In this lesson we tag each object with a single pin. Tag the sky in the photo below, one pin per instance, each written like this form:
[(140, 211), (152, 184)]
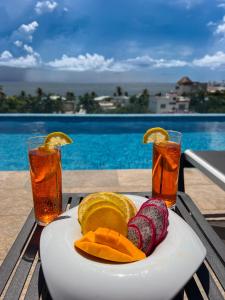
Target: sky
[(108, 40)]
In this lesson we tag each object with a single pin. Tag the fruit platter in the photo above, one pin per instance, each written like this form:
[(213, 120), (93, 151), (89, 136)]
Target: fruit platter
[(115, 246), (115, 230)]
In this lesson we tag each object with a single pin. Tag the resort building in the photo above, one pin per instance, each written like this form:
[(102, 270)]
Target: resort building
[(212, 89), (110, 103), (105, 102), (121, 100), (169, 103), (68, 107), (186, 86)]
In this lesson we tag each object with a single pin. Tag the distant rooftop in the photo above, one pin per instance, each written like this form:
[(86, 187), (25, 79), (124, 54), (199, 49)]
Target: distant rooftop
[(102, 98), (185, 81)]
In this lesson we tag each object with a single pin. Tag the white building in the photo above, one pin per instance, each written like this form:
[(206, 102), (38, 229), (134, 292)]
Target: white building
[(169, 103), (121, 100), (110, 103), (212, 89), (186, 86), (105, 102)]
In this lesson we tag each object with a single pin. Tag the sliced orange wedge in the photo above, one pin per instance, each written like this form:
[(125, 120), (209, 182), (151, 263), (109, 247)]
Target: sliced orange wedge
[(155, 135), (55, 139)]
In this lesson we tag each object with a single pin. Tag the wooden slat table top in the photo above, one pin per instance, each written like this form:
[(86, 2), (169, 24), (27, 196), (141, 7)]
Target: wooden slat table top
[(16, 278)]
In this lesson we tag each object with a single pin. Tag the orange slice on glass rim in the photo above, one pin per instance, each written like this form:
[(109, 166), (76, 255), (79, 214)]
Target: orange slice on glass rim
[(155, 135), (55, 139)]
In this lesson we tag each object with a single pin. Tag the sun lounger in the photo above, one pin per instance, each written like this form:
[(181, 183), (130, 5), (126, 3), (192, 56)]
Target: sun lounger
[(211, 163)]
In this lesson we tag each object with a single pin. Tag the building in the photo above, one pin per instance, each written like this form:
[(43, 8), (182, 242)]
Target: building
[(121, 100), (105, 102), (68, 107), (212, 89), (169, 103), (186, 86), (108, 103)]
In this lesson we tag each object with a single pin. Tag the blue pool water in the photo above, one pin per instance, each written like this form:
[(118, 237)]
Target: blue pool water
[(105, 142)]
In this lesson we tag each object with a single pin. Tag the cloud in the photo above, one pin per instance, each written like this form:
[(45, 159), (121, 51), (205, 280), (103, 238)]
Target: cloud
[(211, 61), (42, 7), (6, 55), (18, 43), (99, 63), (28, 61), (222, 5), (28, 49), (25, 32), (221, 27), (149, 62), (86, 62), (29, 28), (188, 4)]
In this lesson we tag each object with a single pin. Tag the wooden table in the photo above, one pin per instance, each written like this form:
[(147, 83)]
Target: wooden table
[(21, 273)]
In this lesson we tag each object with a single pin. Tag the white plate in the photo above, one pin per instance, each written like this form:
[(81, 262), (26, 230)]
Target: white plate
[(70, 275)]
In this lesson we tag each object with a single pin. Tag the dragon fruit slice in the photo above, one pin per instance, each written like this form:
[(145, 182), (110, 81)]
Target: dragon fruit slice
[(134, 235), (158, 217), (147, 230), (161, 204), (158, 202)]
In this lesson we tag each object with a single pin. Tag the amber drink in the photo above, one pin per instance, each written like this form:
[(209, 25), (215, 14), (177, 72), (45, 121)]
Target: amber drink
[(165, 170), (46, 180)]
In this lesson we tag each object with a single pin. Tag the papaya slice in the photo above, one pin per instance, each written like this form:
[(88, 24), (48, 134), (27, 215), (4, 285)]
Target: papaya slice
[(109, 245)]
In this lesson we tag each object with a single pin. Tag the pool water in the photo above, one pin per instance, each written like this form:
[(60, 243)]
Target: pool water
[(104, 143)]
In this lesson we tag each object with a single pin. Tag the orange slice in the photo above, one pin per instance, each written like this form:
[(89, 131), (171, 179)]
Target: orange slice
[(104, 216), (155, 135), (55, 139)]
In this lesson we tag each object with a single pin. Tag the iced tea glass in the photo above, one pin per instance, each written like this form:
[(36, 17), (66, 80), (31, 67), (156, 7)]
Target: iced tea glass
[(165, 169), (46, 180)]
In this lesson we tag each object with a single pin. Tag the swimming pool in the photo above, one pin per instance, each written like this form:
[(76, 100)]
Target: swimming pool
[(105, 141)]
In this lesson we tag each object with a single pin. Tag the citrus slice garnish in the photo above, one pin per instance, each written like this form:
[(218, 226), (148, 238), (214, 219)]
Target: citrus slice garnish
[(101, 199), (55, 139), (106, 216), (155, 135), (119, 201)]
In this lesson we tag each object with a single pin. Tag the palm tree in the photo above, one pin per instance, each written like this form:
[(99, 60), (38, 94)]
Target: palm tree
[(39, 92), (119, 91), (93, 95), (23, 94), (70, 96), (145, 93), (2, 94)]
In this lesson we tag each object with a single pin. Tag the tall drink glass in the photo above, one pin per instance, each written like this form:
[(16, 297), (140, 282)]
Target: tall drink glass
[(46, 180), (165, 170)]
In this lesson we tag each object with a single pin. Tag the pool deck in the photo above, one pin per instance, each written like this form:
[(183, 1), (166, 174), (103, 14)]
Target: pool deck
[(16, 197)]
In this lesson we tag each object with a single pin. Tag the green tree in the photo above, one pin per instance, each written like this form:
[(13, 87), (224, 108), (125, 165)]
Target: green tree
[(2, 94), (90, 105), (39, 92), (119, 91), (22, 94), (93, 95), (70, 96)]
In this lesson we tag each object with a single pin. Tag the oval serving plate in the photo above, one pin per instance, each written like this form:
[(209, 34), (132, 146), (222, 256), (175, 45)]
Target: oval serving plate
[(70, 275)]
